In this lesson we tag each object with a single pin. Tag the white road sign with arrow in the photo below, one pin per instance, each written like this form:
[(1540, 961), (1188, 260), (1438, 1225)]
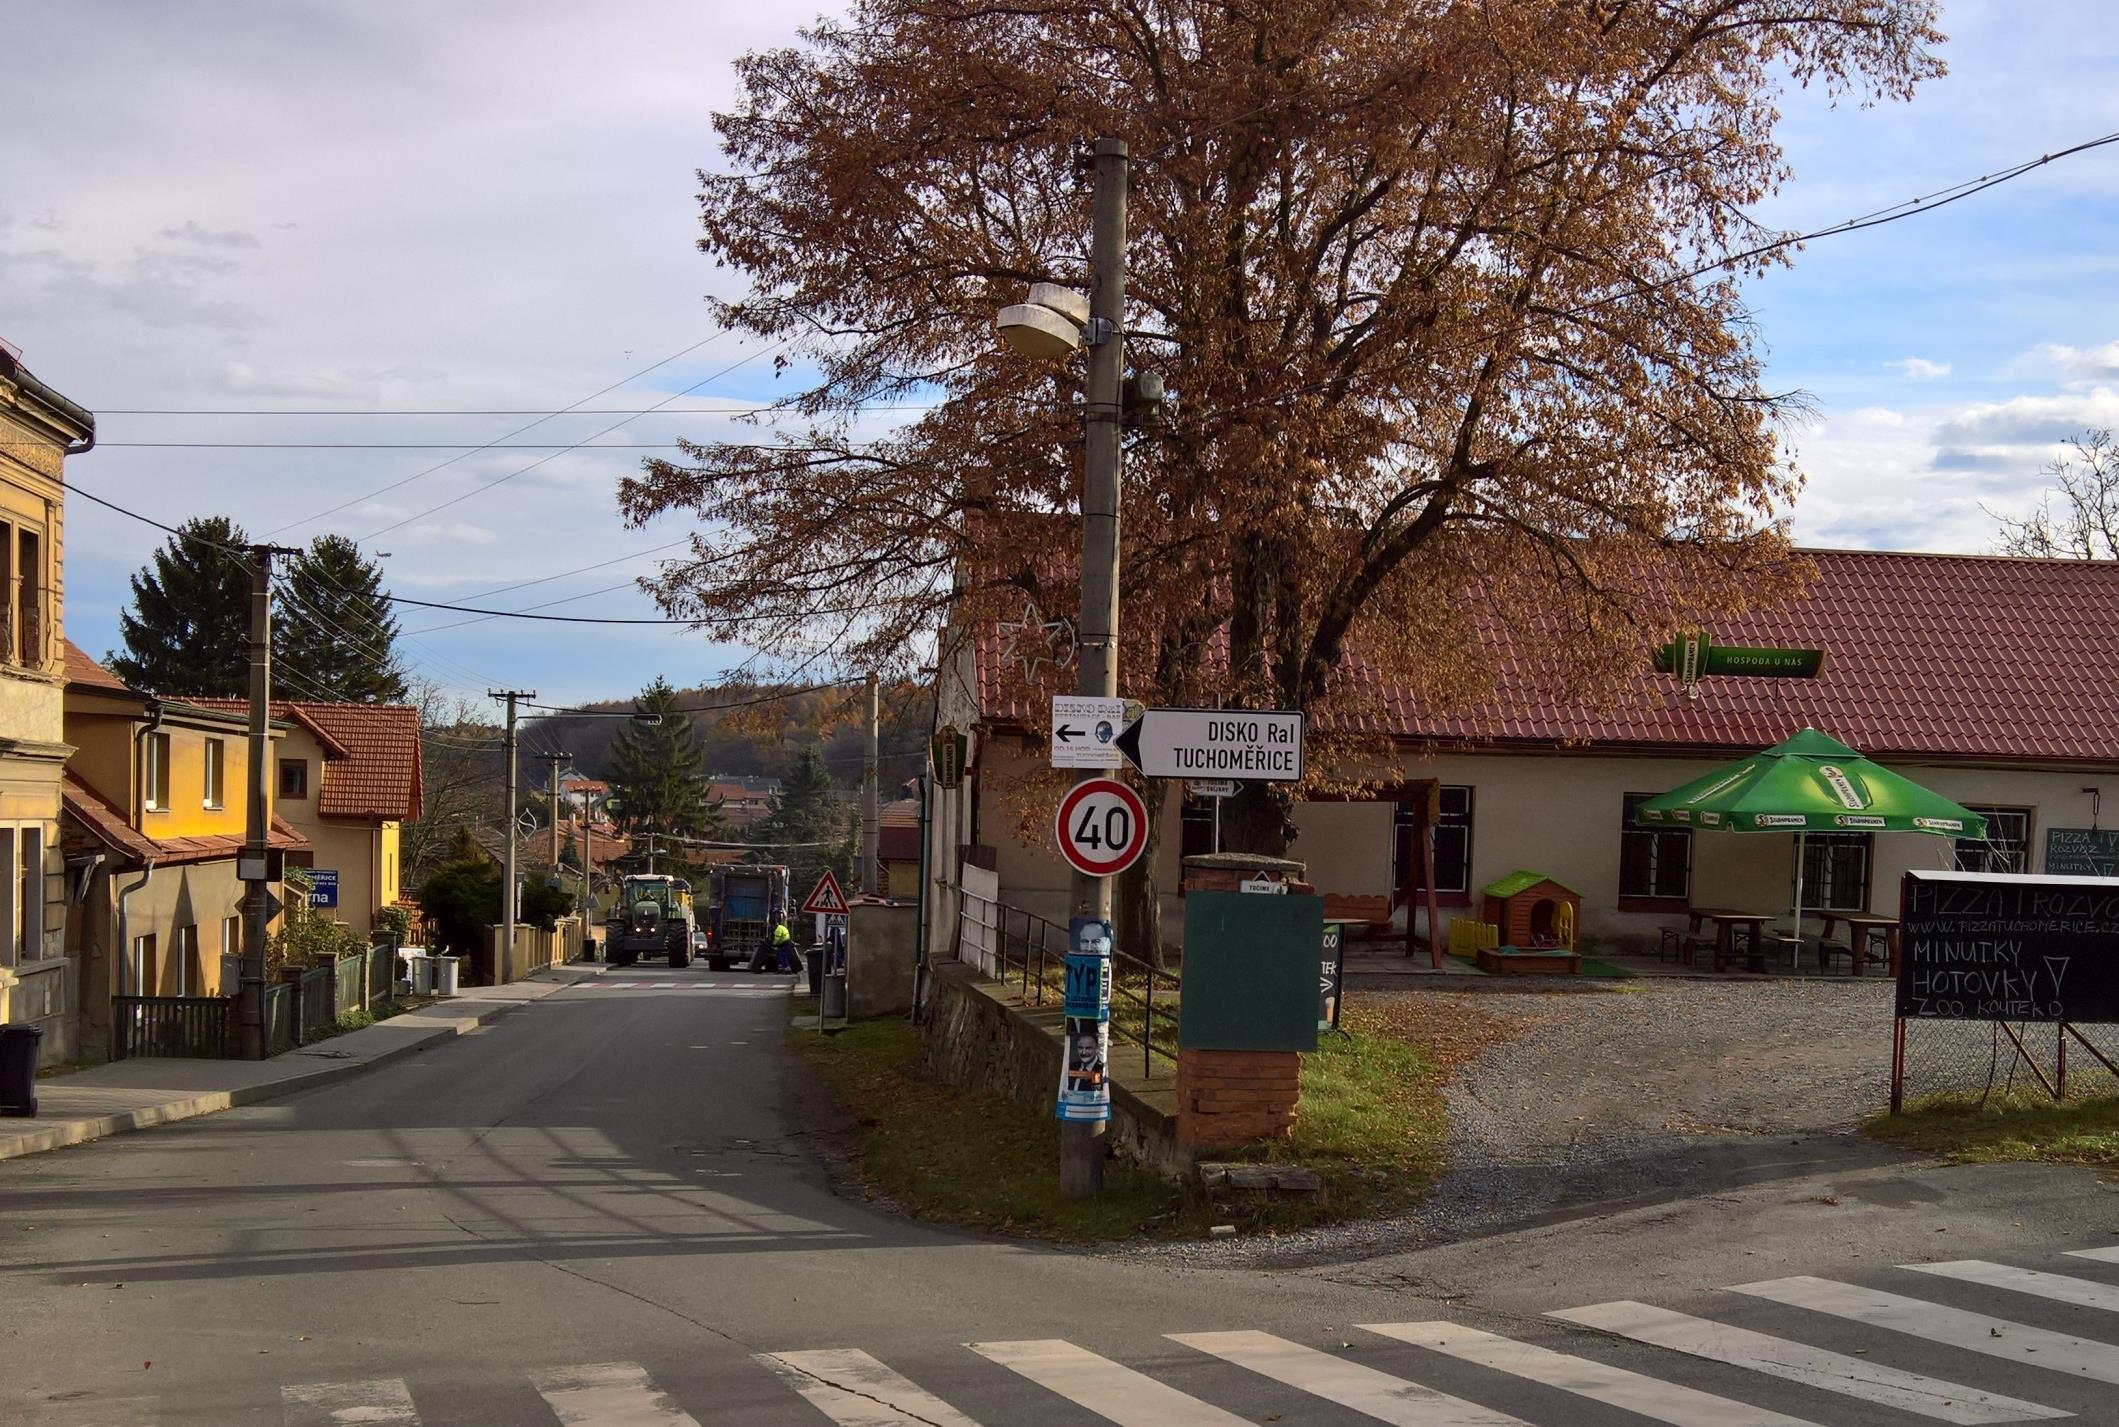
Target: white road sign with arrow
[(1254, 745), (1085, 730)]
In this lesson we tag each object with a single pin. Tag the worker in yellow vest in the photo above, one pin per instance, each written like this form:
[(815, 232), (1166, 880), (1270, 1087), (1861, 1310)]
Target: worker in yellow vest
[(784, 946)]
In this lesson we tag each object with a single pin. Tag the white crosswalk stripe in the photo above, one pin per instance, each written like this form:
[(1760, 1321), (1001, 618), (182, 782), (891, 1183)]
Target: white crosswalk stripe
[(1952, 1327), (377, 1402), (1812, 1367), (854, 1390), (1118, 1394), (608, 1395), (2110, 1255), (1650, 1397), (1364, 1389), (2082, 1292)]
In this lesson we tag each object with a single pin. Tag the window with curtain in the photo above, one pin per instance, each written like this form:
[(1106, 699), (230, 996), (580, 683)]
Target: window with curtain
[(1655, 863), (158, 772)]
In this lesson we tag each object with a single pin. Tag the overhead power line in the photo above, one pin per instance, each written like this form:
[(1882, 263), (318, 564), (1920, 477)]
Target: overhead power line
[(102, 411)]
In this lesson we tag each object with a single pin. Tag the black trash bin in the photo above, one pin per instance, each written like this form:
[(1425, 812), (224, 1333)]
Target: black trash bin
[(18, 1070)]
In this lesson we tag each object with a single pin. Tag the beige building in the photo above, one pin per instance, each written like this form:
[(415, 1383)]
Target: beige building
[(154, 823), (39, 429), (345, 777), (1990, 680)]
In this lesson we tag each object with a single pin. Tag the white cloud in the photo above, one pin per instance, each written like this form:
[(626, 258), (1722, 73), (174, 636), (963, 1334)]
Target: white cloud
[(2076, 365), (1919, 369)]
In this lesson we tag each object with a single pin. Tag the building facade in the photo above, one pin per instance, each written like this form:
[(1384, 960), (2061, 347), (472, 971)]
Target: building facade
[(39, 429)]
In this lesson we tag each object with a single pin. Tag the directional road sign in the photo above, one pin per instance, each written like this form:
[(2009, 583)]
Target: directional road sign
[(1257, 745), (826, 899), (1085, 730), (1102, 826)]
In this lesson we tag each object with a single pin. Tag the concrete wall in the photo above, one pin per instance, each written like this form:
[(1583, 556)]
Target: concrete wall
[(882, 960)]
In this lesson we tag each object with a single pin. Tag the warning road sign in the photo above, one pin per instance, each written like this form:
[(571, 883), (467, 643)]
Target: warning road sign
[(826, 899), (1102, 827)]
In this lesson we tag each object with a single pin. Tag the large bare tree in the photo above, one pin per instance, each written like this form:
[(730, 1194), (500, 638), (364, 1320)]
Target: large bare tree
[(2086, 526), (1449, 293)]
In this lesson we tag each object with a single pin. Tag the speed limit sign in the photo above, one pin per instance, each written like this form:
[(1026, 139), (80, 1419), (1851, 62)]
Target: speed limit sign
[(1102, 827)]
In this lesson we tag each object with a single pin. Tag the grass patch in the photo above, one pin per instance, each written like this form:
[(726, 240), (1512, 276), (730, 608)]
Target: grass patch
[(961, 1157), (1965, 1130)]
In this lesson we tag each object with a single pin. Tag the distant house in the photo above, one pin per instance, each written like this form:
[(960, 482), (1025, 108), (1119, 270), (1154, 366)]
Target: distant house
[(898, 847), (581, 793), (346, 777), (153, 824), (743, 802)]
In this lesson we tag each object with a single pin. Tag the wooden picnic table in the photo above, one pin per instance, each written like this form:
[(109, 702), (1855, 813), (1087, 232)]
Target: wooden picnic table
[(1728, 924), (1864, 928)]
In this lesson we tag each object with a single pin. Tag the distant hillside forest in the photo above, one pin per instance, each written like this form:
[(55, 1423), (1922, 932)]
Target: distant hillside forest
[(746, 738)]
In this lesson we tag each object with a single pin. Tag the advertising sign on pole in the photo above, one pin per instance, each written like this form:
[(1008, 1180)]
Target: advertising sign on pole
[(1212, 787), (1255, 745), (1331, 971), (1085, 730), (1102, 827), (1085, 1087), (946, 751)]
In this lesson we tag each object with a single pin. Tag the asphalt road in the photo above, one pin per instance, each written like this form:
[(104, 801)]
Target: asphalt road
[(604, 1211)]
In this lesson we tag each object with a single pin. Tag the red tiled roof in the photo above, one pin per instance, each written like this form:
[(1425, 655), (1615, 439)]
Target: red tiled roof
[(898, 831), (371, 755), (1944, 656), (84, 672), (107, 823)]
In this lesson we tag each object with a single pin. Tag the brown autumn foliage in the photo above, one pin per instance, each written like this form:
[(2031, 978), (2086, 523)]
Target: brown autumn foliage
[(1448, 294)]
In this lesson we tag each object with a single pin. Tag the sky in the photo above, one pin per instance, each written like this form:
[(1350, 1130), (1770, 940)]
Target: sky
[(290, 205)]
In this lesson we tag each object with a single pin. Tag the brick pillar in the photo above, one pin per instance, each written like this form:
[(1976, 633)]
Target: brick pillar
[(1229, 1098)]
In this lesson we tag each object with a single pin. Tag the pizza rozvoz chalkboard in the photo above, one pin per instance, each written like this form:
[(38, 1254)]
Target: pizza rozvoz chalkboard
[(1999, 947)]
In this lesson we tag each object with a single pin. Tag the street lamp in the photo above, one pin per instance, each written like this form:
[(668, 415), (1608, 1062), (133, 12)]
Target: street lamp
[(1053, 322)]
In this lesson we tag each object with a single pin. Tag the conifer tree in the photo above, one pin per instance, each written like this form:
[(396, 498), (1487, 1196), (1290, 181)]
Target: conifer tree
[(334, 630), (809, 825), (658, 773), (184, 635)]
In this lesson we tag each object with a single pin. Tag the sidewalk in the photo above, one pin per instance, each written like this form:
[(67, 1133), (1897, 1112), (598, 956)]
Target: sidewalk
[(134, 1094)]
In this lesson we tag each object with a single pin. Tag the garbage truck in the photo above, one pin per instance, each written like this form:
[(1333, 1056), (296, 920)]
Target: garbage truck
[(652, 917), (750, 899)]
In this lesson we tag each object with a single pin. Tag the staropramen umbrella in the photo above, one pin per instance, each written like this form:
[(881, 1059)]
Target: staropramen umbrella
[(1811, 783)]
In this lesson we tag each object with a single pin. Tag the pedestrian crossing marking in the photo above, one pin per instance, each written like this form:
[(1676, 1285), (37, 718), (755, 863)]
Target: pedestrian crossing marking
[(1364, 1389), (608, 1395), (378, 1402), (1115, 1393), (1812, 1367), (1618, 1387), (2110, 1255), (1952, 1327), (2082, 1292), (854, 1390)]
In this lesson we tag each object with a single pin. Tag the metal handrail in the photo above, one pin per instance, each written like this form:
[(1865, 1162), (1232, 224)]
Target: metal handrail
[(1043, 949)]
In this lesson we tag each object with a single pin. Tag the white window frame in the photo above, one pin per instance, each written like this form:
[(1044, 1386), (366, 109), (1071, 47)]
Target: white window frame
[(214, 795), (24, 910), (1988, 853), (154, 792)]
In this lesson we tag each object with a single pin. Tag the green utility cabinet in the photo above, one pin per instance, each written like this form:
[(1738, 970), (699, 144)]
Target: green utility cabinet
[(1250, 975)]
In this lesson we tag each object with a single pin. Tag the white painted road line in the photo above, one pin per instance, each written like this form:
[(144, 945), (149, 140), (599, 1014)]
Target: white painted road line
[(1952, 1327), (854, 1390), (2082, 1292), (1364, 1389), (1117, 1394), (1650, 1397), (2097, 1255), (608, 1395), (378, 1402), (1812, 1367)]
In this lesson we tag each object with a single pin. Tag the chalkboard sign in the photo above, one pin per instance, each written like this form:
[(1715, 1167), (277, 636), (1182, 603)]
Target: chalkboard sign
[(2001, 947), (2081, 852)]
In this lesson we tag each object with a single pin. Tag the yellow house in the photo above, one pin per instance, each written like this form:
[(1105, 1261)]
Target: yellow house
[(346, 777), (154, 821), (39, 428)]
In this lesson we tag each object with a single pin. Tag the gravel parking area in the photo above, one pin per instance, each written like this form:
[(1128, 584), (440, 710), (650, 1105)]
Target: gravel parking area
[(1649, 1088)]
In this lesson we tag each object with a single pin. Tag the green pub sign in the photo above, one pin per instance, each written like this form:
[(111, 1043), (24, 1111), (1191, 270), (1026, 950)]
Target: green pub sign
[(946, 752)]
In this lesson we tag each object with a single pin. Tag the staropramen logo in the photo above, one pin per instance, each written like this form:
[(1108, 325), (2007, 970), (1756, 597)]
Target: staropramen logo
[(1842, 786), (1939, 824), (1779, 820)]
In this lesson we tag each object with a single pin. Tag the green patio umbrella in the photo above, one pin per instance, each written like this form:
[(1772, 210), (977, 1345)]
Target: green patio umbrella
[(1811, 783)]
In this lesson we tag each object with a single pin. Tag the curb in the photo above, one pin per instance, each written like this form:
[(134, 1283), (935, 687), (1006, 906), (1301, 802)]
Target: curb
[(16, 1145)]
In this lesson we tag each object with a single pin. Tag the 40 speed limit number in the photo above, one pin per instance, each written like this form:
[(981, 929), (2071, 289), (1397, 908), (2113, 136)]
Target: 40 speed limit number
[(1102, 827)]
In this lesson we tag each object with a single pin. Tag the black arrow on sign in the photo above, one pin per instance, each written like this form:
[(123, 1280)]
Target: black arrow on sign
[(1067, 734), (1128, 742)]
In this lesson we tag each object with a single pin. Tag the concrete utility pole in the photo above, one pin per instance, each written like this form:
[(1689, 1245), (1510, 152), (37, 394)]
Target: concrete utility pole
[(871, 813), (255, 864), (508, 894), (1082, 1142)]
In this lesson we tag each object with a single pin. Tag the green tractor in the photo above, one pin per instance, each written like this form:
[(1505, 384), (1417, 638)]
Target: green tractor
[(652, 917)]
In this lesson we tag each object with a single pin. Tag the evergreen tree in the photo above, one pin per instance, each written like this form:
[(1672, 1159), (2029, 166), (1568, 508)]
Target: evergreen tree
[(809, 826), (184, 635), (335, 630), (658, 774)]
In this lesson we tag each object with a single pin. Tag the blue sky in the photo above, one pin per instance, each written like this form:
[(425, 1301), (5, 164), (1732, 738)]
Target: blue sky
[(252, 205)]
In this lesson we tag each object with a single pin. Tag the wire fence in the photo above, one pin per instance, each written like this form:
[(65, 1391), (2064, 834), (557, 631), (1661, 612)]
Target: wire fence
[(2008, 1062)]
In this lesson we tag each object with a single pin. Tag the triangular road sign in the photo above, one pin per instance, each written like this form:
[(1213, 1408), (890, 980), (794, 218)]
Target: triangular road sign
[(826, 899)]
